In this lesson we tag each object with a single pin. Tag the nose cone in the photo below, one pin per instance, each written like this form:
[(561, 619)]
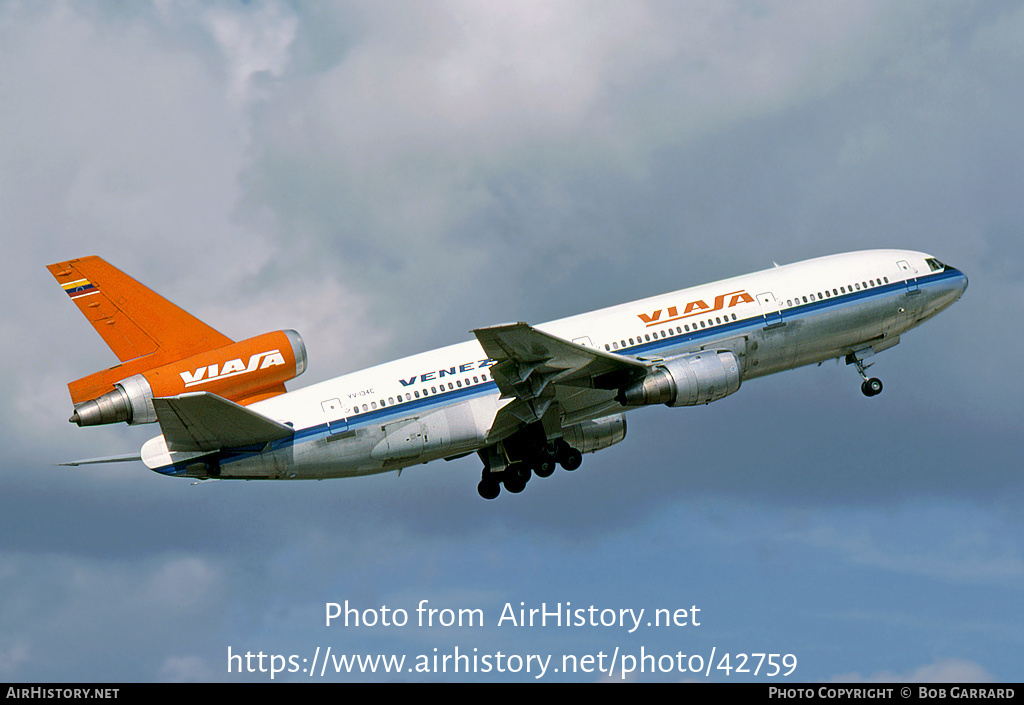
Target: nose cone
[(956, 282), (963, 281), (948, 290)]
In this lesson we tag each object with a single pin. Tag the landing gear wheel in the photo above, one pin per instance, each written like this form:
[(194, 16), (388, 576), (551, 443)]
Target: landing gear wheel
[(544, 466), (569, 458), (489, 489), (514, 482), (521, 471), (871, 387)]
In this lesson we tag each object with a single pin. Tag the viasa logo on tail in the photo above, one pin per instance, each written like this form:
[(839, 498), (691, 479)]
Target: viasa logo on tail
[(232, 368), (696, 308)]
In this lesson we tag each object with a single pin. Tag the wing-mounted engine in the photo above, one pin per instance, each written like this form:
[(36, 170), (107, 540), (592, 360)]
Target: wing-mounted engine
[(687, 380), (597, 434), (242, 372)]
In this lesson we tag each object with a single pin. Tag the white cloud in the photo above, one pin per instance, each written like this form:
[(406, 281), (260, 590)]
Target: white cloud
[(254, 42), (189, 669), (943, 670), (78, 610), (976, 547)]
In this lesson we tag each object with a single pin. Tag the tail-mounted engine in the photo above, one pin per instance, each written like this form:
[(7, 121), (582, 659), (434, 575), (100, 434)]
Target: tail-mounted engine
[(687, 380), (244, 372)]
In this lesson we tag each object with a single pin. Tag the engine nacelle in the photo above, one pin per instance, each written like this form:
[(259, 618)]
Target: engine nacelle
[(597, 434), (687, 380), (243, 372)]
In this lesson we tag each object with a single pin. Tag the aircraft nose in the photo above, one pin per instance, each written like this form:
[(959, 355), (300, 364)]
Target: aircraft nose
[(949, 289), (959, 281)]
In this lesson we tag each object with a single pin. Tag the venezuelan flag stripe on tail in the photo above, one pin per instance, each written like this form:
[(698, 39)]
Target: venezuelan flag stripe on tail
[(81, 287)]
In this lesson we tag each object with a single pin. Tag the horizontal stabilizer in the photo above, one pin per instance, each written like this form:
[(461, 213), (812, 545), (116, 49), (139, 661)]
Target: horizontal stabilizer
[(204, 422), (108, 459)]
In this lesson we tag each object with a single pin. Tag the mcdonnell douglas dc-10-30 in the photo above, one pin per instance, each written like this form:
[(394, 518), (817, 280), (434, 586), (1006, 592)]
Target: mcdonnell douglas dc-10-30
[(523, 398)]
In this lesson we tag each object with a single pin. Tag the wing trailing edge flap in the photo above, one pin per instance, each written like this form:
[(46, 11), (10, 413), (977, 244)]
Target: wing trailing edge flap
[(204, 422), (530, 363)]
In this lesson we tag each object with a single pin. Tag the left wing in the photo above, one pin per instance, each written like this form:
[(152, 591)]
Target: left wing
[(530, 365)]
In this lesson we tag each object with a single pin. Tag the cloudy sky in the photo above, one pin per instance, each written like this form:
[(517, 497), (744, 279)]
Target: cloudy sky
[(384, 177)]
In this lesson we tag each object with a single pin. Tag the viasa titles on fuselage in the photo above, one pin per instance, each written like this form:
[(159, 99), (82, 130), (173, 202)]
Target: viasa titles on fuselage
[(523, 398)]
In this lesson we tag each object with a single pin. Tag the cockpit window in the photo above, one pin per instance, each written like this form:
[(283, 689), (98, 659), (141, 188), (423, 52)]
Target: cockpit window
[(935, 264)]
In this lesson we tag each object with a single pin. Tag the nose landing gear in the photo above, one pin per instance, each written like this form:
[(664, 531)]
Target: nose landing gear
[(871, 386)]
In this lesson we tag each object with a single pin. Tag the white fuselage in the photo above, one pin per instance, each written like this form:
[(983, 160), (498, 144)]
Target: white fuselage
[(442, 403)]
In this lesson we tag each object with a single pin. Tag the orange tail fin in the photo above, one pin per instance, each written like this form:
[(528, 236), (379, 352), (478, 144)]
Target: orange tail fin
[(164, 349), (133, 320)]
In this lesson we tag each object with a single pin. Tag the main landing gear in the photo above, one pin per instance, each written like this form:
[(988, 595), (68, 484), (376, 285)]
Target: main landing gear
[(540, 463), (870, 386)]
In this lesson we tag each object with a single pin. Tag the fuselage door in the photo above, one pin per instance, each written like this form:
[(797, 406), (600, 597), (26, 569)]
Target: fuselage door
[(337, 415), (771, 310), (910, 274)]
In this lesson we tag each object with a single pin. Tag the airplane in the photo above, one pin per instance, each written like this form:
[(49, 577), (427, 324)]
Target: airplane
[(524, 398)]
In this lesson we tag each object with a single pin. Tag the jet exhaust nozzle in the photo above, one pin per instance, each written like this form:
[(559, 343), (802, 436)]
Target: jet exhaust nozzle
[(112, 407)]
